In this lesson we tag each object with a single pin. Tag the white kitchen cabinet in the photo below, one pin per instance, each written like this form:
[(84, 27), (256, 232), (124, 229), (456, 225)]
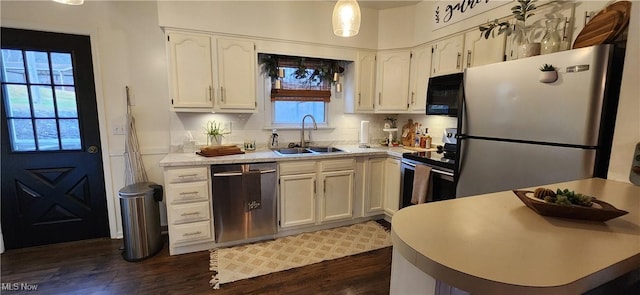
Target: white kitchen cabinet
[(365, 89), (189, 209), (337, 199), (190, 70), (236, 66), (392, 186), (374, 190), (393, 81), (297, 200), (211, 73), (337, 187), (305, 201), (447, 56), (419, 78), (480, 51)]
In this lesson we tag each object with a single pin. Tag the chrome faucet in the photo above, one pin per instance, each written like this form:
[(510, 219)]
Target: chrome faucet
[(315, 127)]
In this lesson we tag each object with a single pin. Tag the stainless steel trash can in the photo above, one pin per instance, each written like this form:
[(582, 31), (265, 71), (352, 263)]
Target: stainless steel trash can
[(141, 220)]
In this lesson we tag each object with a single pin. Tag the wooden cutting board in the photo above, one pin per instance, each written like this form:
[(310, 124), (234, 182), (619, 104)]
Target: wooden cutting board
[(222, 150), (601, 29), (606, 26), (623, 7)]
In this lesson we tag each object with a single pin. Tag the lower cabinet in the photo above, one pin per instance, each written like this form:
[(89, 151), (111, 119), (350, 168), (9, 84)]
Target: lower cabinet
[(189, 210), (336, 202), (374, 186), (313, 192), (391, 186), (297, 200)]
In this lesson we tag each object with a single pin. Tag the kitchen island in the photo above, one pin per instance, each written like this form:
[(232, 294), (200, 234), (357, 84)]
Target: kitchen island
[(494, 244)]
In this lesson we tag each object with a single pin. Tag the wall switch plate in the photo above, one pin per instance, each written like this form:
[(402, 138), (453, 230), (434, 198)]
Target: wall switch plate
[(634, 174), (118, 129)]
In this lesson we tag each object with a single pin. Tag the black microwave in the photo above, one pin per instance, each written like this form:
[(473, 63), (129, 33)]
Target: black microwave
[(444, 93)]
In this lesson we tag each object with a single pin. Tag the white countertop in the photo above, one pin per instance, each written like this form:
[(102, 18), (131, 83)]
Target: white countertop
[(494, 244), (191, 159)]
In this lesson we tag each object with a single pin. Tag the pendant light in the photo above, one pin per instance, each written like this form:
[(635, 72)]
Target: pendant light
[(70, 2), (346, 18)]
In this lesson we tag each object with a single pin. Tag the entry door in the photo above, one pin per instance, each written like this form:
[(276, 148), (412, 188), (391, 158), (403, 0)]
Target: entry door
[(52, 178)]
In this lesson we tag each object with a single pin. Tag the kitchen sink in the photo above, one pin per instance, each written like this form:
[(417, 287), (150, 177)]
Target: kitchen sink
[(310, 150), (292, 151), (324, 149)]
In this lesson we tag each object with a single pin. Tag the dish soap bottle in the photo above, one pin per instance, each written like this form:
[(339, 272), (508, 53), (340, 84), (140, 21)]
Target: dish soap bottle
[(273, 140)]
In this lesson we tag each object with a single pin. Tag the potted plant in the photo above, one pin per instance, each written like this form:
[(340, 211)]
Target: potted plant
[(521, 12), (548, 74), (214, 132)]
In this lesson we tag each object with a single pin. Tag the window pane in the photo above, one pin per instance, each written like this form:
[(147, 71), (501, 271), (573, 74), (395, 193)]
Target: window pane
[(47, 134), (291, 112), (21, 133), (66, 100), (62, 68), (42, 98), (13, 66), (70, 134), (38, 67), (17, 101)]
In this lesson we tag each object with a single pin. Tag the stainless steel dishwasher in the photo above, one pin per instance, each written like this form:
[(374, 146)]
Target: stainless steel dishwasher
[(244, 201)]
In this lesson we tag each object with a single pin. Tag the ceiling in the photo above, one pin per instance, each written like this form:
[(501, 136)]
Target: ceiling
[(375, 4)]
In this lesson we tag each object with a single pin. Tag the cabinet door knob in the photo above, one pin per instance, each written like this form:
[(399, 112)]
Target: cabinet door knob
[(468, 58), (458, 60)]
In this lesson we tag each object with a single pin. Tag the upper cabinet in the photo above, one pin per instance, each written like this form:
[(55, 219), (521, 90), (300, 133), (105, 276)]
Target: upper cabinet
[(419, 78), (480, 51), (211, 74), (190, 70), (365, 81), (236, 75), (447, 56), (393, 81)]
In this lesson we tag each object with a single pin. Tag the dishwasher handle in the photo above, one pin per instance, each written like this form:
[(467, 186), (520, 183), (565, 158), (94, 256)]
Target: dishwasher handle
[(227, 174)]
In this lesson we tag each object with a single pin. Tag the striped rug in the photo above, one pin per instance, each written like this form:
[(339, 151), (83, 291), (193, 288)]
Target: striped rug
[(252, 260)]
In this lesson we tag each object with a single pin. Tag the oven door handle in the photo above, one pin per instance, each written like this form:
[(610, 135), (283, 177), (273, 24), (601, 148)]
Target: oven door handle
[(223, 174), (408, 164), (432, 169), (442, 172)]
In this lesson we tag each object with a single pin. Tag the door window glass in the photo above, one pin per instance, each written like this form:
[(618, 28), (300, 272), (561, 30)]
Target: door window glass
[(40, 100)]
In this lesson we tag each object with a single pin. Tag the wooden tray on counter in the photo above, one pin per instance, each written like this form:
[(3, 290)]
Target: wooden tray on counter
[(216, 151), (600, 211)]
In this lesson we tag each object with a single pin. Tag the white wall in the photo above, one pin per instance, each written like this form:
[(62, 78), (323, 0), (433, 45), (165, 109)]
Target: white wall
[(129, 49), (305, 21)]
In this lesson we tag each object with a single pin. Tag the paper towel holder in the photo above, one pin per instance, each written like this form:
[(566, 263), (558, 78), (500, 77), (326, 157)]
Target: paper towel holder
[(364, 134)]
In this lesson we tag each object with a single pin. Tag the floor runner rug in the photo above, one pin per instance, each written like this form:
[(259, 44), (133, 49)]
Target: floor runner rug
[(252, 260)]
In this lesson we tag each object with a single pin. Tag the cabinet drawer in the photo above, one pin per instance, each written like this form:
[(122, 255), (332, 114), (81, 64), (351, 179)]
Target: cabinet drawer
[(188, 192), (189, 232), (297, 167), (187, 174), (190, 212), (337, 165)]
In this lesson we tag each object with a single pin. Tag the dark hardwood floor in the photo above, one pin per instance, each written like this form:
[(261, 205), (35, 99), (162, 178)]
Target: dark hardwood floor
[(96, 267)]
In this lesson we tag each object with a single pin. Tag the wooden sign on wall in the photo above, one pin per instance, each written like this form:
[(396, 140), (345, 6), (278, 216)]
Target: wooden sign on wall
[(446, 12)]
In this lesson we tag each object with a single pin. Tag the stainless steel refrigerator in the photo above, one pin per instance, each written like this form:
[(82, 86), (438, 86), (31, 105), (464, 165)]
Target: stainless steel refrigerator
[(516, 131)]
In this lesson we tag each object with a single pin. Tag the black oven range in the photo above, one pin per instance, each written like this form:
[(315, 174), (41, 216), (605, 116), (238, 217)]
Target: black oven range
[(443, 166)]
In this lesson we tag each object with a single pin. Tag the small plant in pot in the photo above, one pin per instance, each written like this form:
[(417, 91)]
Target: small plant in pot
[(214, 132), (548, 74), (521, 12)]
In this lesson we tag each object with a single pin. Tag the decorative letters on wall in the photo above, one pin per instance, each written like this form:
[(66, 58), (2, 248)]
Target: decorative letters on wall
[(447, 12)]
